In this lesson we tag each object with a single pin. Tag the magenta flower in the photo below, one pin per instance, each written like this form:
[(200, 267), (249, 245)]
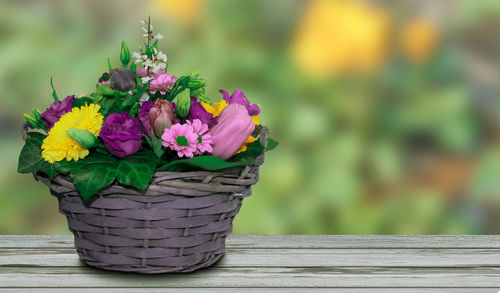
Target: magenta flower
[(233, 127), (121, 134), (205, 140), (56, 110), (198, 112), (238, 97), (162, 83), (182, 139)]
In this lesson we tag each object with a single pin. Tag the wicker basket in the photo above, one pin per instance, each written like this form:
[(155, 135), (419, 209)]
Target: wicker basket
[(179, 224)]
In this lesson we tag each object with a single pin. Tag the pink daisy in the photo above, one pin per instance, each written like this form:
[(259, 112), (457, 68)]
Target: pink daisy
[(204, 138), (182, 139)]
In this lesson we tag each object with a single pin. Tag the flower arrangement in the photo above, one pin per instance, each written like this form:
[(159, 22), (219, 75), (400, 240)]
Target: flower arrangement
[(140, 120)]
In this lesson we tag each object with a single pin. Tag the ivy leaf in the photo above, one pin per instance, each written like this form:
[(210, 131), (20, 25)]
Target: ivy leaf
[(208, 163), (271, 144), (92, 174), (137, 169), (30, 159)]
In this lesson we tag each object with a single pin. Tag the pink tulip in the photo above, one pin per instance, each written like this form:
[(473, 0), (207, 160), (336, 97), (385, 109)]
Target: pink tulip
[(161, 116), (233, 127)]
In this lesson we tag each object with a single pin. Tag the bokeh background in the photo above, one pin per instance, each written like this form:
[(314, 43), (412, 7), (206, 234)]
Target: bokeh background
[(388, 112)]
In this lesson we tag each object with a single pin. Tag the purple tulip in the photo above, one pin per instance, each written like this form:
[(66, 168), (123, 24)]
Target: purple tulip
[(238, 97), (198, 112), (144, 117), (121, 134), (56, 110), (233, 127), (161, 116)]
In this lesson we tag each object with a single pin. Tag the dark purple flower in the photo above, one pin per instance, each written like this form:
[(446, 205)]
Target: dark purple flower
[(56, 110), (144, 117), (122, 78), (238, 97), (198, 112), (121, 134)]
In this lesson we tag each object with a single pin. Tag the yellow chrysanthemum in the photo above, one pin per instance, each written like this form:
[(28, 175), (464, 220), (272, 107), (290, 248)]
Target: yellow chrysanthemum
[(58, 146), (249, 140)]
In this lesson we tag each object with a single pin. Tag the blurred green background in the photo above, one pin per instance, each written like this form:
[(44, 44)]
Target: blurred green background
[(388, 112)]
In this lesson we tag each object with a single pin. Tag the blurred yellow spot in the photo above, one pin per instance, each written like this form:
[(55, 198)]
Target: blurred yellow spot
[(337, 36), (419, 39), (181, 10)]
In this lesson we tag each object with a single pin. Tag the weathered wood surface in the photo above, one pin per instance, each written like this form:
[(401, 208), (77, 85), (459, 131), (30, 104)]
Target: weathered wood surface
[(288, 263)]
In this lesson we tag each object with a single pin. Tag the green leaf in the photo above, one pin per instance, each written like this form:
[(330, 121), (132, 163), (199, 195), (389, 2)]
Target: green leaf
[(54, 94), (30, 159), (92, 174), (124, 54), (271, 144), (137, 169), (109, 65), (208, 163), (83, 137), (78, 102)]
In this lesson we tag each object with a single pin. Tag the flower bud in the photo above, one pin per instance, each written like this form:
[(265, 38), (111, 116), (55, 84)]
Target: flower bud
[(124, 54), (183, 103), (161, 116)]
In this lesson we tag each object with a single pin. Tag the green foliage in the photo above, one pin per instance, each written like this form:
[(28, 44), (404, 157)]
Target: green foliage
[(155, 144), (35, 121), (78, 102), (54, 94), (193, 83), (208, 163), (30, 159)]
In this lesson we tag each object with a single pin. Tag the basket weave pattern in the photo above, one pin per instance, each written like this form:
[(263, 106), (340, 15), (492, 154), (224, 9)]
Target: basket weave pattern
[(178, 224)]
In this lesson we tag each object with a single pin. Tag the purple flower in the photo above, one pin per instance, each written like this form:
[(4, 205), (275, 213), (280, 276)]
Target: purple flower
[(198, 112), (238, 97), (56, 110), (144, 117), (233, 128), (121, 134)]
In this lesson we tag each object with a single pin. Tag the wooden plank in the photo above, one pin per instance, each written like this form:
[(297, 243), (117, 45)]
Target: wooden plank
[(294, 241), (291, 257), (365, 277)]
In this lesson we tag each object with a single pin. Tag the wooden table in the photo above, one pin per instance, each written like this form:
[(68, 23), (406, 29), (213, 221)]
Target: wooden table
[(299, 263)]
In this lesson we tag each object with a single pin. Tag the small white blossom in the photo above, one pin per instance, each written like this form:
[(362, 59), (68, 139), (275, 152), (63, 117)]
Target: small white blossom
[(130, 93), (162, 56), (144, 98), (145, 29), (145, 79), (136, 55), (143, 21), (158, 37)]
